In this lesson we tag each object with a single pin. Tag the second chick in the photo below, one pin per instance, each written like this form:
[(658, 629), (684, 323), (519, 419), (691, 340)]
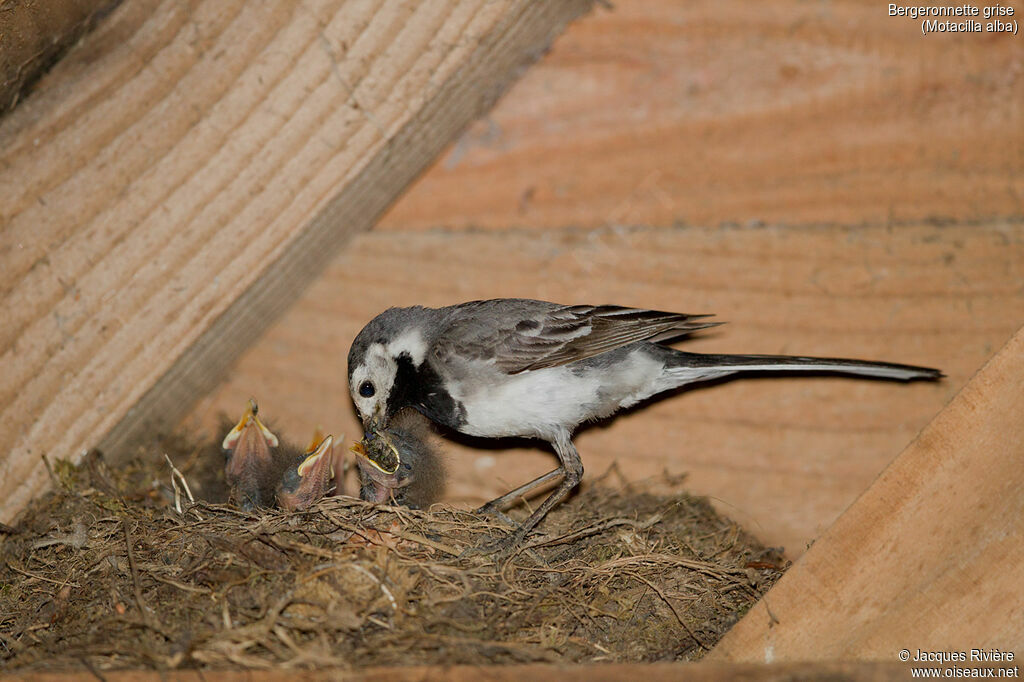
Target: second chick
[(309, 477), (399, 465)]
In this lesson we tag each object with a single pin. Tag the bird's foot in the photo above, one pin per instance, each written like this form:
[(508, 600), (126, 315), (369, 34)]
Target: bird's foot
[(490, 509), (497, 548), (504, 546), (503, 517), (493, 545)]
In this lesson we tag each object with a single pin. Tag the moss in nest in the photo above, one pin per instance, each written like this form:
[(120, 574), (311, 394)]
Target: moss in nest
[(104, 573)]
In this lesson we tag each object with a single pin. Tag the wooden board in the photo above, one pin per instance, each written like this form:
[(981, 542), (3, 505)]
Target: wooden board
[(930, 558), (610, 672), (33, 35), (716, 112), (184, 173), (782, 456)]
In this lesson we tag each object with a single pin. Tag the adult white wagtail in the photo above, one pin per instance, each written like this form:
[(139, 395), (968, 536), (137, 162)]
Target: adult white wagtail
[(519, 367)]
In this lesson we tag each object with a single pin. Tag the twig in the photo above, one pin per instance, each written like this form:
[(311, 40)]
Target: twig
[(49, 469), (698, 566), (175, 477), (77, 538), (286, 544), (9, 642), (225, 614), (671, 606), (40, 577), (140, 602), (182, 586), (427, 542), (592, 530), (383, 587), (91, 668)]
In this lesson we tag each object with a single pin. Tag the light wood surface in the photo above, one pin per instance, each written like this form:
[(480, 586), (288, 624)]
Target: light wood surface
[(820, 175), (784, 456), (729, 112), (718, 113), (931, 557), (189, 168)]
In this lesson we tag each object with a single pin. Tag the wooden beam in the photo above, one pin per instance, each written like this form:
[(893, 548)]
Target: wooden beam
[(782, 456), (601, 672), (930, 557), (191, 168)]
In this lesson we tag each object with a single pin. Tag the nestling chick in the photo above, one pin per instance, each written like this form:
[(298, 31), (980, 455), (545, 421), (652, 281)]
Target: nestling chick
[(399, 465), (309, 477), (251, 471)]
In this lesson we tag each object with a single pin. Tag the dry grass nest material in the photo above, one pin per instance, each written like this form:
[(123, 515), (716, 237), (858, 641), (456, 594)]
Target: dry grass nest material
[(105, 572)]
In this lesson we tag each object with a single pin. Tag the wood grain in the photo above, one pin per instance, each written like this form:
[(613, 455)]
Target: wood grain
[(722, 112), (180, 177), (930, 557), (782, 456)]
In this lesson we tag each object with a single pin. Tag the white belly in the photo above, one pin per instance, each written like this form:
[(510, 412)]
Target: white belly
[(544, 402), (531, 404)]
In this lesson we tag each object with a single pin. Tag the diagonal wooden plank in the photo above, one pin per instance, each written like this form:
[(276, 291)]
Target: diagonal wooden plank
[(930, 557), (180, 178)]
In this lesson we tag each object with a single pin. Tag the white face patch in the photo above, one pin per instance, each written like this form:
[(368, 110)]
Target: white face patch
[(378, 369), (410, 342)]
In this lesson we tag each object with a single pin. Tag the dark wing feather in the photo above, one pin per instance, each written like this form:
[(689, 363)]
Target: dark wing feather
[(522, 335)]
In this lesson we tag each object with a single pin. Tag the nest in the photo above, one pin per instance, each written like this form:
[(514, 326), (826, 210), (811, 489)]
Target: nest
[(116, 568)]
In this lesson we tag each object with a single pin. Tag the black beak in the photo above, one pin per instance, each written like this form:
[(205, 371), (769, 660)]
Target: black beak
[(374, 425)]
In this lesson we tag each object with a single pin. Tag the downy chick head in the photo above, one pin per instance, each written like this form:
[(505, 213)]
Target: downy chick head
[(399, 465), (309, 477), (250, 459)]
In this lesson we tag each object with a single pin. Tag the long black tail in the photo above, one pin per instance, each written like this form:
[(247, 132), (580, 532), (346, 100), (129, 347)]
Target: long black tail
[(709, 366)]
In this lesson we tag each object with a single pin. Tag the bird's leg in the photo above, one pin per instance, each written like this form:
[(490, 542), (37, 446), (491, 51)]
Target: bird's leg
[(499, 503), (572, 467)]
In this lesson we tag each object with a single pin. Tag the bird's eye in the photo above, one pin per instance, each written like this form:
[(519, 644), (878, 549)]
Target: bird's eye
[(408, 467), (366, 389)]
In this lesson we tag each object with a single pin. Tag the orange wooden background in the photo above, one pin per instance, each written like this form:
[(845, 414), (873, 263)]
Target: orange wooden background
[(821, 176)]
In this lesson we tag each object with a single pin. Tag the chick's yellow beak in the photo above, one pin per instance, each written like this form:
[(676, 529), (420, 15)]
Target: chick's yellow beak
[(383, 456), (248, 418), (313, 459)]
